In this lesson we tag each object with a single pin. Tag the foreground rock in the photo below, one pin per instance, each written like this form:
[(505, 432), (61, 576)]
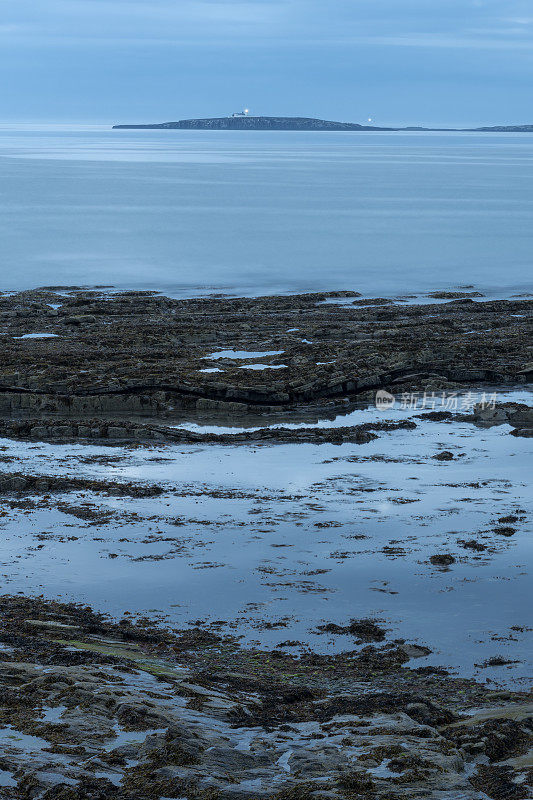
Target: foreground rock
[(518, 415), (97, 710), (24, 483)]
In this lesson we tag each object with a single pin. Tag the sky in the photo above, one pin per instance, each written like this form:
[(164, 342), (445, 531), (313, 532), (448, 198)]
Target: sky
[(399, 62)]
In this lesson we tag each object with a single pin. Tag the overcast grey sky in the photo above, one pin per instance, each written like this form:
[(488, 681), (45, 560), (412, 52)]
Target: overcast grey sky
[(398, 61)]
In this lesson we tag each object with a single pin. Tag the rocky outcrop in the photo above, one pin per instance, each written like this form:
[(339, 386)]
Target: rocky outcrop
[(518, 415), (121, 431), (137, 354), (23, 483)]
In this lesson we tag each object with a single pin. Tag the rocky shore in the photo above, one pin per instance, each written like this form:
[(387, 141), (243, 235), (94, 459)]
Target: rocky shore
[(93, 356), (170, 448), (94, 710)]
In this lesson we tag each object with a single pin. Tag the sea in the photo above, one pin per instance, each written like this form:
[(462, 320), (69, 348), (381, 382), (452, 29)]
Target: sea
[(249, 213)]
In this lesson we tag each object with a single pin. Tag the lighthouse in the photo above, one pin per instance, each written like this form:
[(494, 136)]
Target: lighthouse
[(241, 113)]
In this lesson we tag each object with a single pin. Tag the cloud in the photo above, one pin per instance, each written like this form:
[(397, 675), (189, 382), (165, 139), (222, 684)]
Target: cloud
[(476, 24), (49, 21), (447, 42), (519, 20)]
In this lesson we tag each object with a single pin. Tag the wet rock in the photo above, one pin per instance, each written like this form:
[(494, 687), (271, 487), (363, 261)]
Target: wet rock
[(505, 530), (444, 295), (365, 630), (445, 455), (19, 483), (295, 728), (518, 415), (15, 483), (498, 783), (473, 544), (419, 711), (415, 650), (357, 784), (124, 360), (80, 319), (87, 789), (374, 301), (147, 433), (442, 559), (525, 433), (498, 661)]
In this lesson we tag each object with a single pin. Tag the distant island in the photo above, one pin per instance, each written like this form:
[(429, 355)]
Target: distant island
[(507, 129), (243, 122)]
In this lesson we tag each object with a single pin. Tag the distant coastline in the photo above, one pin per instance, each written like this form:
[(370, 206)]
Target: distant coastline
[(247, 123)]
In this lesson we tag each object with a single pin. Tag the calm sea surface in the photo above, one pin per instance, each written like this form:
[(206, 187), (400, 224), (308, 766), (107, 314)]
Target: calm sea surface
[(252, 213)]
